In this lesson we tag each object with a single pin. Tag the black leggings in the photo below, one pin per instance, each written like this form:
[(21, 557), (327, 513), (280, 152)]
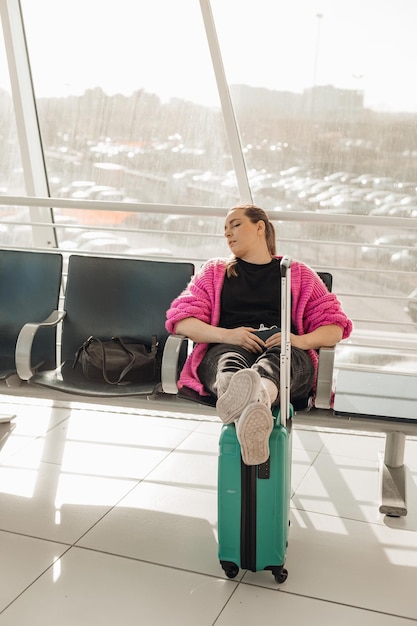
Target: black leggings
[(222, 357)]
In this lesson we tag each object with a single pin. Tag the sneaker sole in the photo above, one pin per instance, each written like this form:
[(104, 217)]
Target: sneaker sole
[(244, 388), (253, 431)]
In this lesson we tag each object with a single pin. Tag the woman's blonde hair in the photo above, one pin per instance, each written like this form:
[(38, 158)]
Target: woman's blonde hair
[(255, 214)]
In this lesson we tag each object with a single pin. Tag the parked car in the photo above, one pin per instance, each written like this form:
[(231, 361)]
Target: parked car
[(380, 249), (74, 187), (97, 241), (408, 187), (377, 197), (109, 244), (340, 176), (411, 306), (405, 260), (344, 205), (409, 210), (93, 193)]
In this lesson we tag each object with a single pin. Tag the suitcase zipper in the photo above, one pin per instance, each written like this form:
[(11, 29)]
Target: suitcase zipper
[(248, 517)]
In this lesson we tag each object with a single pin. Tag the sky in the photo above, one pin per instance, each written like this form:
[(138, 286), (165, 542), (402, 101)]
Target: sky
[(160, 46)]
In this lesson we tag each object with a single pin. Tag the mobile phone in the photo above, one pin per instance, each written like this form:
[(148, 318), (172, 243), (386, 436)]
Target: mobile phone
[(264, 333)]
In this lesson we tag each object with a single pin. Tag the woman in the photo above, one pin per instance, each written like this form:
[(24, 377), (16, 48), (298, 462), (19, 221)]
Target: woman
[(223, 306)]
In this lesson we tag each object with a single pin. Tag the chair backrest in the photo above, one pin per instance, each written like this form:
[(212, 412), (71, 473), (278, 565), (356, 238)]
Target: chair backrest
[(303, 403), (119, 297), (327, 278), (30, 285)]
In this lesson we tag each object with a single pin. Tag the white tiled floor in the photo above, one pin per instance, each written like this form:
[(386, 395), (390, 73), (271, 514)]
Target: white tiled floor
[(110, 517)]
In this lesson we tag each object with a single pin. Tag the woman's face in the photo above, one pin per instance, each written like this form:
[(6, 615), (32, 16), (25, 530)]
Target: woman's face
[(243, 236)]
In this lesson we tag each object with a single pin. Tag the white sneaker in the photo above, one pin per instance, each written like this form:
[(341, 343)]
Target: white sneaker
[(253, 430), (243, 389)]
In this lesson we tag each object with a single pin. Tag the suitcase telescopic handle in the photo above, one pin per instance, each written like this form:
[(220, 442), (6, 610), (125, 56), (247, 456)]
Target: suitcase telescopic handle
[(285, 359)]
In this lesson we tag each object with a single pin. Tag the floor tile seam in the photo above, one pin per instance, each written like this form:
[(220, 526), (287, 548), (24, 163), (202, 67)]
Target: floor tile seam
[(339, 455), (184, 424), (205, 453), (127, 494), (301, 448), (170, 454), (59, 542), (168, 449), (91, 474), (338, 603), (116, 444), (209, 489), (19, 595), (345, 432), (162, 461), (363, 434), (365, 464), (83, 474), (377, 524), (79, 404), (109, 510), (36, 436), (176, 568), (59, 423), (223, 608), (307, 467), (315, 455)]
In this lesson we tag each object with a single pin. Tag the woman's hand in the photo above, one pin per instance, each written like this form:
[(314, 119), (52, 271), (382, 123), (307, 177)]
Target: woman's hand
[(244, 336), (298, 341), (201, 332), (324, 336)]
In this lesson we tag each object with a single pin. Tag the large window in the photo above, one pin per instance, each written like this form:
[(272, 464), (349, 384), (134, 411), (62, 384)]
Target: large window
[(132, 102), (127, 100), (328, 126), (14, 229)]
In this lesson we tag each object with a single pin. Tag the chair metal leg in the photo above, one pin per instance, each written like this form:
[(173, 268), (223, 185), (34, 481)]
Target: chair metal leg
[(392, 476)]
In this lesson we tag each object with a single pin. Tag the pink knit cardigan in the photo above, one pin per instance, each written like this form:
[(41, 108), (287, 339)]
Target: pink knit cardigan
[(312, 306)]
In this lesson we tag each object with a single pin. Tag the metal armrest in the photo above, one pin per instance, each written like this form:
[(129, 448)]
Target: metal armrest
[(170, 363), (324, 386), (25, 341)]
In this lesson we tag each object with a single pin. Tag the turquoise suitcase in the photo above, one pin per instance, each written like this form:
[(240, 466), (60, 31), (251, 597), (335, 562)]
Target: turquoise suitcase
[(254, 505), (254, 500)]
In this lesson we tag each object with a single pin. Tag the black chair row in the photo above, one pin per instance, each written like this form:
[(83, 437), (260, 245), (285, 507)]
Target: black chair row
[(104, 297)]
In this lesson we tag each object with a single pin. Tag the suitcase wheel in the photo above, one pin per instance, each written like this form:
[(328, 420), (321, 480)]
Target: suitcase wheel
[(280, 574), (230, 569)]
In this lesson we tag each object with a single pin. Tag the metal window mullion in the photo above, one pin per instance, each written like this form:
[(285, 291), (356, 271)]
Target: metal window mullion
[(26, 119), (226, 104)]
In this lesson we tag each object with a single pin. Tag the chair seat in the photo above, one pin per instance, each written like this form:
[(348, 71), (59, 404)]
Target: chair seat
[(72, 380), (300, 404)]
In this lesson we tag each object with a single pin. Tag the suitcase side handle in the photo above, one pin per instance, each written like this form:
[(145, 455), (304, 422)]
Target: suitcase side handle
[(285, 359)]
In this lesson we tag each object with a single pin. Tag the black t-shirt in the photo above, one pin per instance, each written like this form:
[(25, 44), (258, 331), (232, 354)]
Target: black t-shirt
[(253, 297)]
